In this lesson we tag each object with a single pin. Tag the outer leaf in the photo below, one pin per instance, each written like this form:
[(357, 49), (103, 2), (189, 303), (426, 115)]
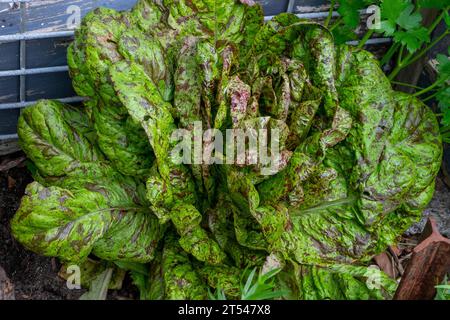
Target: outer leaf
[(95, 48), (56, 222), (343, 282), (99, 287), (86, 210), (181, 281)]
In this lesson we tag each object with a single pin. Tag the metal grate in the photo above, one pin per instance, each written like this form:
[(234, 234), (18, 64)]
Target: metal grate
[(23, 36)]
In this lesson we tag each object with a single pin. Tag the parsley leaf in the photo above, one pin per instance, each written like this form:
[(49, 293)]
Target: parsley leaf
[(443, 96), (349, 10), (409, 20), (443, 67), (403, 21), (391, 9), (447, 19), (436, 4), (412, 39), (343, 34), (388, 27)]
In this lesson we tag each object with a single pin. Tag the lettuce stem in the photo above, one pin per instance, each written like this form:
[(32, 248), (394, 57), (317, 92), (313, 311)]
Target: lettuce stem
[(366, 37)]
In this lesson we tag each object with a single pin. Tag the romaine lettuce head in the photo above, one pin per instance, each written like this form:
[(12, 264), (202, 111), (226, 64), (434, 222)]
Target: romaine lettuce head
[(355, 167)]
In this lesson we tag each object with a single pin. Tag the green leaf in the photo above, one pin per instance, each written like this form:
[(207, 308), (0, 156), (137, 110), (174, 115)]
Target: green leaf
[(219, 295), (349, 10), (181, 280), (249, 281), (89, 203), (343, 34), (131, 266), (447, 20), (51, 220), (148, 278), (443, 290), (388, 27), (392, 9), (354, 170), (412, 39), (443, 67), (345, 282), (409, 20), (443, 96), (263, 288)]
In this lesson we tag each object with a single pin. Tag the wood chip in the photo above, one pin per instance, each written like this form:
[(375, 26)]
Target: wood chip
[(384, 261), (395, 250), (429, 263)]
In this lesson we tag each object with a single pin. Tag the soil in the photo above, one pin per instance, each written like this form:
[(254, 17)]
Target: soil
[(36, 277)]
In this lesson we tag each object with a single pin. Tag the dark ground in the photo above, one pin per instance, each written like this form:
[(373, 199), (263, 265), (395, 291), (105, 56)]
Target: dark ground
[(36, 278)]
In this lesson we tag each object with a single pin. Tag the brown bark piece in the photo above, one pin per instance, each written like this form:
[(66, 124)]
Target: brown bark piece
[(429, 263), (411, 74)]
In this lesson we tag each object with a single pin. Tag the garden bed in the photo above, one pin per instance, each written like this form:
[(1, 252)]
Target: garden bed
[(36, 277)]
